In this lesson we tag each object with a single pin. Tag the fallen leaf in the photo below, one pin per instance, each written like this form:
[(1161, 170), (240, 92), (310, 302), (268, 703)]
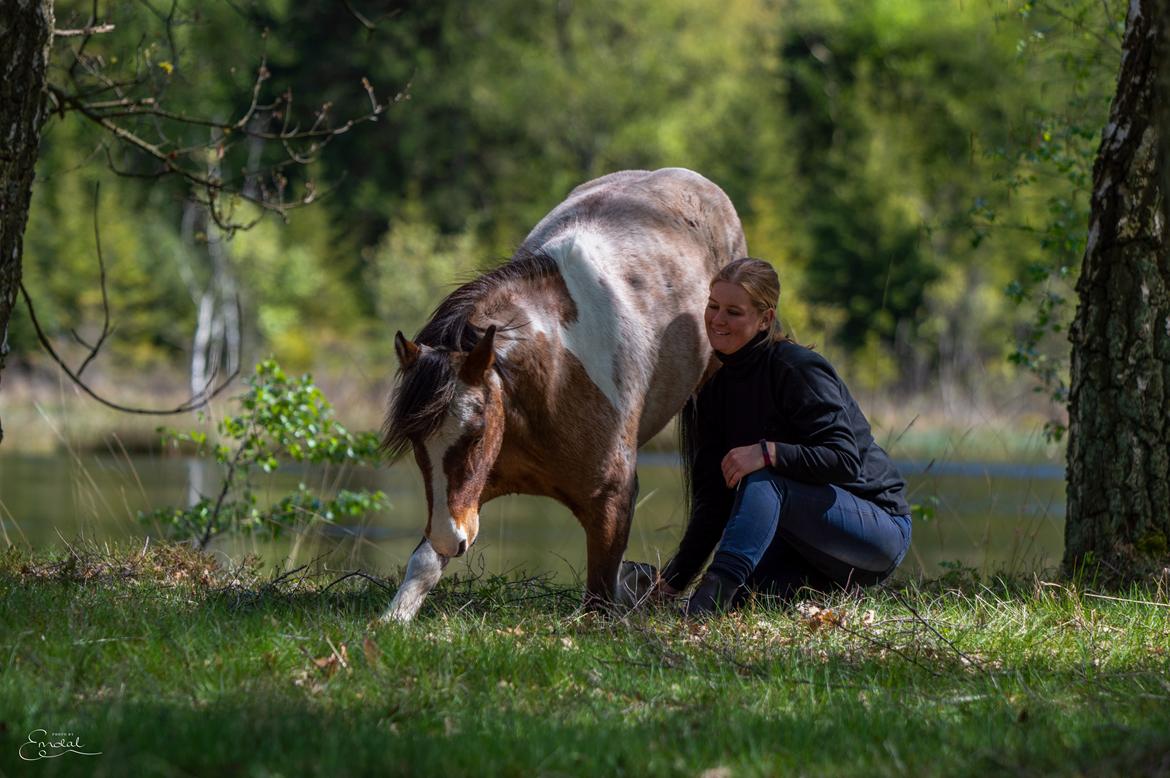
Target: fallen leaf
[(815, 617), (327, 664), (807, 609), (371, 650)]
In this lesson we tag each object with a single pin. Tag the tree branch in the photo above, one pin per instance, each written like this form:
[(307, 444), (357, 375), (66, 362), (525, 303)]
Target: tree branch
[(362, 20), (318, 135), (193, 403), (86, 31), (97, 238)]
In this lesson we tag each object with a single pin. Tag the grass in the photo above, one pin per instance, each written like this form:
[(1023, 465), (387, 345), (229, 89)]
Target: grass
[(170, 665)]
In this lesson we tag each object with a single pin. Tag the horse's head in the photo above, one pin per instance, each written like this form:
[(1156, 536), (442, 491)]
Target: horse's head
[(449, 409)]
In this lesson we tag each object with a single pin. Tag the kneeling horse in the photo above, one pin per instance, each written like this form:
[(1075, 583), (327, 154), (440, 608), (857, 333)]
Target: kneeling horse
[(545, 375)]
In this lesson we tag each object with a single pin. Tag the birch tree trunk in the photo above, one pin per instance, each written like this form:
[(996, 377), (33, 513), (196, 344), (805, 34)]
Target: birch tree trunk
[(1119, 431), (26, 32)]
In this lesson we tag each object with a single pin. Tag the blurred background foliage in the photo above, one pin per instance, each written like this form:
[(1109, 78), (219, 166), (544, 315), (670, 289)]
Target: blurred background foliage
[(917, 170)]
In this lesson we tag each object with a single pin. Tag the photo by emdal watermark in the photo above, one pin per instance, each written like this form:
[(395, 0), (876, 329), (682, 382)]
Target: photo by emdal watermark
[(42, 744)]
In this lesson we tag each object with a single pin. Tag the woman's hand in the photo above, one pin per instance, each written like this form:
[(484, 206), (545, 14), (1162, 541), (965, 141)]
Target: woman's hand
[(741, 462)]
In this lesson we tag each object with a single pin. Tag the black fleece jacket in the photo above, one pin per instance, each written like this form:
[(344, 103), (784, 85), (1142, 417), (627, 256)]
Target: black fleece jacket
[(791, 396)]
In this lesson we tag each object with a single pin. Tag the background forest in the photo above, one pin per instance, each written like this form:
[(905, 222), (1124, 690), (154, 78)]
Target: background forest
[(917, 170)]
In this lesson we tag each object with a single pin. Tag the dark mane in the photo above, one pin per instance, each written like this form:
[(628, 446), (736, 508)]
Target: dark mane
[(423, 393), (450, 328)]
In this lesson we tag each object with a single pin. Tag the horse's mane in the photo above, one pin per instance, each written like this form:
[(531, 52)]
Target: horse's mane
[(424, 391)]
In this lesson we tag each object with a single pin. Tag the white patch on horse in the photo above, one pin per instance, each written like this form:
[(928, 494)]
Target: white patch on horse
[(600, 330), (530, 322)]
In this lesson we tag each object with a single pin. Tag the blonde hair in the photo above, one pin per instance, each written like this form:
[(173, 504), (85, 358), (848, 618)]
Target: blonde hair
[(759, 280)]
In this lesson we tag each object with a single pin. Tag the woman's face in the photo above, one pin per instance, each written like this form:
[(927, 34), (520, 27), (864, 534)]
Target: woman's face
[(731, 318)]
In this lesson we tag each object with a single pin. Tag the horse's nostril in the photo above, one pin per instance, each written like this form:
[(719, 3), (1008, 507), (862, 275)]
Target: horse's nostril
[(462, 548)]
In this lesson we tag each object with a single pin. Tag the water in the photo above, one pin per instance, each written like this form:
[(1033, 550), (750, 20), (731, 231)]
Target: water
[(987, 516)]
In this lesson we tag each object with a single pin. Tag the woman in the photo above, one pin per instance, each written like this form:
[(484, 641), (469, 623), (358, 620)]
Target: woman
[(787, 484)]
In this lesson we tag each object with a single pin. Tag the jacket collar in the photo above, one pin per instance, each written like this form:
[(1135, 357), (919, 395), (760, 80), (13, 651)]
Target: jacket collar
[(748, 354)]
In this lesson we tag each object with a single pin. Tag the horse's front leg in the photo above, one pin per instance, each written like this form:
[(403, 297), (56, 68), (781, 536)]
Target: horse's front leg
[(607, 531), (422, 573)]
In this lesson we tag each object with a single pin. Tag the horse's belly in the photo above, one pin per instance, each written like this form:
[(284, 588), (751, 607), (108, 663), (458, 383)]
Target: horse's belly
[(682, 359)]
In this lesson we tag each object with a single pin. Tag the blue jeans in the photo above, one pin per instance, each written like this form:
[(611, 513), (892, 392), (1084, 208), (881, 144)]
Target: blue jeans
[(784, 534)]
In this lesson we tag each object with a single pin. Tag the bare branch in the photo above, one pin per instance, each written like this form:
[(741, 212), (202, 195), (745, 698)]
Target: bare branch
[(97, 239), (359, 574), (317, 136), (262, 75), (969, 660), (228, 478), (87, 31), (193, 403), (362, 20)]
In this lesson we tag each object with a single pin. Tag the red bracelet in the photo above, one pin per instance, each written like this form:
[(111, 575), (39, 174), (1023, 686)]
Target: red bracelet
[(767, 456)]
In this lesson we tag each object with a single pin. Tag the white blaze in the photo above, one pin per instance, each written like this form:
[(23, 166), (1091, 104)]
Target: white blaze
[(445, 536)]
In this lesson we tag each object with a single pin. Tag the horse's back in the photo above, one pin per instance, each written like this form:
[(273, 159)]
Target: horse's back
[(636, 250), (631, 205)]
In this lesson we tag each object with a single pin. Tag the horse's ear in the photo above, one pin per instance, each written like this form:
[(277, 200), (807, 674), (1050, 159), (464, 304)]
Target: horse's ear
[(407, 351), (480, 360)]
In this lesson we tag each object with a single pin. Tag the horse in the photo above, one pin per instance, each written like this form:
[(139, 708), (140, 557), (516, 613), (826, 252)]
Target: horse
[(545, 375)]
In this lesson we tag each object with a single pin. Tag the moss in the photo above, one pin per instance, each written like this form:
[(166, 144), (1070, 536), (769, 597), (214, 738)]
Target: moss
[(1153, 545)]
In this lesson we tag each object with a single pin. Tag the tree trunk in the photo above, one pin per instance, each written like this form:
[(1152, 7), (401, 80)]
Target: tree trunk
[(26, 31), (1119, 425)]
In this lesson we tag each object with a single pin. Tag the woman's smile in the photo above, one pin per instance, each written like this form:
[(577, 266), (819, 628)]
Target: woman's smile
[(731, 318)]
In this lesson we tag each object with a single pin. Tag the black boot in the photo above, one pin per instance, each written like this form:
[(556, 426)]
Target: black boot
[(713, 596)]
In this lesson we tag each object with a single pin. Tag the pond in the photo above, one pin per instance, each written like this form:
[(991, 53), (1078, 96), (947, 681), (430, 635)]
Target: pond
[(991, 517)]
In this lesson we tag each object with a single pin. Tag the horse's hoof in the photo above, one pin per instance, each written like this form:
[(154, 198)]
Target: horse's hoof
[(636, 581), (396, 616)]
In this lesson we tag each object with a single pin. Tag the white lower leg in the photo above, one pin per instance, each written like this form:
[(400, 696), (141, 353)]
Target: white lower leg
[(422, 573)]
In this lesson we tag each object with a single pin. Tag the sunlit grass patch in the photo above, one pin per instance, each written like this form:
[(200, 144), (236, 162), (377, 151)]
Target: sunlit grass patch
[(166, 661)]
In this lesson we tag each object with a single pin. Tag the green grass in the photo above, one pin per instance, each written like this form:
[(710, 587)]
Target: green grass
[(169, 666)]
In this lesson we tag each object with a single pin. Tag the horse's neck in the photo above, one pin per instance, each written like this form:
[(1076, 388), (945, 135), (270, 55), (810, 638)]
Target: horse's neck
[(528, 316), (555, 411)]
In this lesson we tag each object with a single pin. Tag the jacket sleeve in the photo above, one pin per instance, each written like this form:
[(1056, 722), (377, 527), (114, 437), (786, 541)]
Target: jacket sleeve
[(813, 404), (711, 503)]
